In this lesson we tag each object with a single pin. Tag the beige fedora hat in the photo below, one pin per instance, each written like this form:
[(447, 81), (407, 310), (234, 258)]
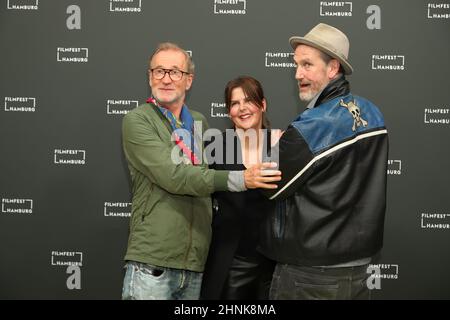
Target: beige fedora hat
[(329, 40)]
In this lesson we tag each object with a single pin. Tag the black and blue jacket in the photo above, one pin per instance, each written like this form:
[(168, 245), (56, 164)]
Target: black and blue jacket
[(331, 200)]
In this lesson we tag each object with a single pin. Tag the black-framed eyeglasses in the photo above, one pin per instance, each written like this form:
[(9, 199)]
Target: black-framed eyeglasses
[(174, 74)]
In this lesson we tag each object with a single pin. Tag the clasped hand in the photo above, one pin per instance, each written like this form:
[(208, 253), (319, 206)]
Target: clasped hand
[(261, 175)]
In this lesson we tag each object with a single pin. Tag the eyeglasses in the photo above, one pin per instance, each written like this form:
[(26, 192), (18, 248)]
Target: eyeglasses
[(174, 74)]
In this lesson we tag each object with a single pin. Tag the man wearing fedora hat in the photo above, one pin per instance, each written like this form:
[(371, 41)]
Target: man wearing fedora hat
[(331, 200)]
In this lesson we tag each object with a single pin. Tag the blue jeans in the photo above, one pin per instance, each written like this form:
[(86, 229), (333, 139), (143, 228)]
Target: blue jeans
[(146, 282), (291, 282)]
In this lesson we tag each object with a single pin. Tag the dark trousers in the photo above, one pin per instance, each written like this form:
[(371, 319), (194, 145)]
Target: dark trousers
[(248, 278), (316, 283)]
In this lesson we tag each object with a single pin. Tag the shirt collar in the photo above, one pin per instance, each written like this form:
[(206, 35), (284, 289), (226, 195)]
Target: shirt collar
[(314, 100)]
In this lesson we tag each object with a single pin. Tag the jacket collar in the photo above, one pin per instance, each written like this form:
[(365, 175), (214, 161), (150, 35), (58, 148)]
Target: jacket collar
[(336, 88)]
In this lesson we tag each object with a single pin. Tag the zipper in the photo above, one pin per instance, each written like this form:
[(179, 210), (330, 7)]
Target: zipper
[(190, 235)]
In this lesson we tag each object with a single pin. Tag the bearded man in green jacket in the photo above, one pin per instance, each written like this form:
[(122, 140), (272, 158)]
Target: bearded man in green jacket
[(170, 226)]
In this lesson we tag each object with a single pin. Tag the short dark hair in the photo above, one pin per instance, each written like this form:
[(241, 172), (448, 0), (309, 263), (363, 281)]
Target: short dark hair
[(253, 91)]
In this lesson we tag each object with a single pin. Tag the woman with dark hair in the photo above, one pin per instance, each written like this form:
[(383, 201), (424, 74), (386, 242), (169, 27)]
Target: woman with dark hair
[(235, 269)]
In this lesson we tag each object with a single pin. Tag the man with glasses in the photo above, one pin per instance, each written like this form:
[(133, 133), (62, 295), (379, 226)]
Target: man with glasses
[(170, 226)]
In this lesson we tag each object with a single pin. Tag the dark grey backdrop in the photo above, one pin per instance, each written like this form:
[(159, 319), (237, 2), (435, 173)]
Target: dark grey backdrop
[(56, 214)]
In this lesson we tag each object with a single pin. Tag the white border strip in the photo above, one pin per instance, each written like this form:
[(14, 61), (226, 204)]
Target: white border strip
[(320, 156)]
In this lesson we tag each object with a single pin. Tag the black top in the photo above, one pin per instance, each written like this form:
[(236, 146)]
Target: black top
[(236, 225)]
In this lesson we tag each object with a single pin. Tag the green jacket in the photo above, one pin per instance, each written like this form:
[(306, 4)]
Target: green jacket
[(170, 224)]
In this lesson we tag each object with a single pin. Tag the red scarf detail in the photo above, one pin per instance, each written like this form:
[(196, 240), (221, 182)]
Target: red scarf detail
[(184, 148)]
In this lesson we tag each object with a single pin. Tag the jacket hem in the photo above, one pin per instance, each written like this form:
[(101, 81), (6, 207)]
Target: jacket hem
[(165, 264)]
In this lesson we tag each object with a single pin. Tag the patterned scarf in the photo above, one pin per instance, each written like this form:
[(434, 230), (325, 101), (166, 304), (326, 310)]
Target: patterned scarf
[(186, 122)]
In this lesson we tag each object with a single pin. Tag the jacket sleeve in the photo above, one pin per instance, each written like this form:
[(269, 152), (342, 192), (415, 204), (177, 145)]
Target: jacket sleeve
[(147, 153), (294, 159)]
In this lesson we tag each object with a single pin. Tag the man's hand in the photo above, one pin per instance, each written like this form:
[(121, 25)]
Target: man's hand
[(259, 176)]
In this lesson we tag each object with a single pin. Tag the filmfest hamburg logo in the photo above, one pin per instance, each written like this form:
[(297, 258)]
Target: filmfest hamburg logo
[(120, 106), (386, 271), (125, 6), (20, 104), (15, 205), (394, 167), (117, 209), (219, 110), (437, 116), (336, 8), (22, 4), (438, 11), (430, 220), (67, 156), (67, 258), (378, 272), (279, 60), (72, 54), (230, 6), (388, 62)]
